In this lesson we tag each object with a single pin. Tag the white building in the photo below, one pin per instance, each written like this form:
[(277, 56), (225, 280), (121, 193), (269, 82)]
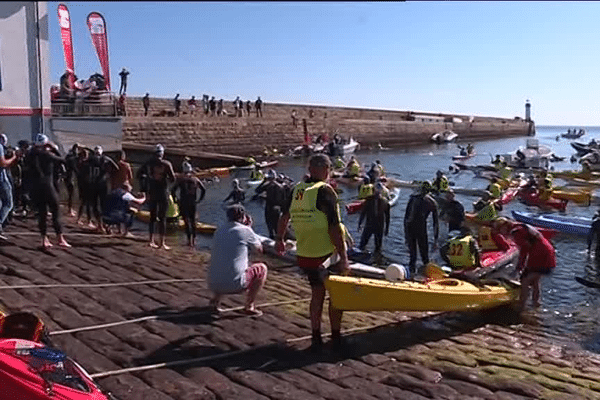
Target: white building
[(24, 70)]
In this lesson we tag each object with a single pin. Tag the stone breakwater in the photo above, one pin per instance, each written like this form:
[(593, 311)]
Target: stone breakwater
[(249, 134), (392, 355)]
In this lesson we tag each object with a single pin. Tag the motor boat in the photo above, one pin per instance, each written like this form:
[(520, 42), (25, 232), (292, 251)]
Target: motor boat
[(533, 155), (446, 136)]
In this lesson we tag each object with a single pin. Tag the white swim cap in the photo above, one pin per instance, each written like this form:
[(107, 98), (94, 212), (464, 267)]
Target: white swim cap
[(98, 150), (186, 167), (159, 148), (41, 139)]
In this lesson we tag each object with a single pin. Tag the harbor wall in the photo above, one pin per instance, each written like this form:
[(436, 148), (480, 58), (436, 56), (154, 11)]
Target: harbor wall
[(249, 134)]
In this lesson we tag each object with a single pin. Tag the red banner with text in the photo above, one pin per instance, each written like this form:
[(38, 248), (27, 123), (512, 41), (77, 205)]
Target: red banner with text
[(64, 20), (97, 26)]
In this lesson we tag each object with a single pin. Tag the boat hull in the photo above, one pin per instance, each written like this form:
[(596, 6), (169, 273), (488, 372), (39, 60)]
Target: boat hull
[(207, 229), (363, 294), (571, 225)]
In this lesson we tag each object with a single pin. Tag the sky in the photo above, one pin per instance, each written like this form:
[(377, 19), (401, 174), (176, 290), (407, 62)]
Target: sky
[(472, 58)]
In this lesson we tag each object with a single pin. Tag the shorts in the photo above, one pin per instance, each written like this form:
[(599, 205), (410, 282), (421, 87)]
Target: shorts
[(256, 272), (314, 271)]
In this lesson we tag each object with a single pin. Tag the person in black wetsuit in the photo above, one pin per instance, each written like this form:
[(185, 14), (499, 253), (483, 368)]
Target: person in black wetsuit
[(237, 195), (188, 186), (376, 211), (452, 211), (157, 172), (100, 168), (83, 187), (71, 170), (274, 201), (419, 206), (42, 160), (594, 235)]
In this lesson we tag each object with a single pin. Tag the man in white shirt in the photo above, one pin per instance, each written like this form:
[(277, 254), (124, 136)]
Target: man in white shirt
[(230, 271)]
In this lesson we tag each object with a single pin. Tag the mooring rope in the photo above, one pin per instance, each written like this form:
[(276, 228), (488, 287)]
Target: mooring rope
[(218, 356), (98, 285), (167, 316)]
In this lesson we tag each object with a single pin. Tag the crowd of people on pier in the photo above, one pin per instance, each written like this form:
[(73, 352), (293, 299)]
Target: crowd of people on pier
[(31, 176)]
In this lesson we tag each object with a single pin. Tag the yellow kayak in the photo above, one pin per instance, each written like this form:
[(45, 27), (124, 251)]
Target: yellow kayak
[(364, 294), (583, 197), (211, 172), (201, 227), (576, 174)]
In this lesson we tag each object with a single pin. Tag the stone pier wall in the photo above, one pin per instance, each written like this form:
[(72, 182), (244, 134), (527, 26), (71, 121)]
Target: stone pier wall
[(250, 134)]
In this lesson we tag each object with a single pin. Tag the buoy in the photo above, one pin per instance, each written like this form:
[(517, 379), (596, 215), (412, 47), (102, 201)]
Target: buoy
[(396, 273)]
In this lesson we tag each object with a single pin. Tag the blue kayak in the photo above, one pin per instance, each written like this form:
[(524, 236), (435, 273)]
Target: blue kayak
[(562, 223)]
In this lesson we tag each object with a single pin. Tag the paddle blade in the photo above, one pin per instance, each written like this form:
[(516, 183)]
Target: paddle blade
[(588, 283)]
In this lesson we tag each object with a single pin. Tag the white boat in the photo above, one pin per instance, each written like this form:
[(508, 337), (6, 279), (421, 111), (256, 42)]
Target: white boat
[(533, 155), (446, 136), (351, 146)]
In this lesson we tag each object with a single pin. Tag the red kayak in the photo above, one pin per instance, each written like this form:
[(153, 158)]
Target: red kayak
[(31, 370), (355, 206), (508, 196), (532, 199), (496, 258)]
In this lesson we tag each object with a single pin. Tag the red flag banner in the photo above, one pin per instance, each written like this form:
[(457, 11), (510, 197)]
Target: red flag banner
[(64, 21), (97, 26)]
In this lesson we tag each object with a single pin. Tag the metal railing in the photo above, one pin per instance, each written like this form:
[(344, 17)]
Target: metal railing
[(100, 106)]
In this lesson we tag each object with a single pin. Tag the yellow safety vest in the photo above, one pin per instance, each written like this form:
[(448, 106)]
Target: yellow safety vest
[(381, 170), (385, 193), (486, 243), (172, 209), (497, 164), (256, 175), (487, 213), (441, 185), (354, 169), (339, 163), (505, 172), (309, 223), (365, 191), (459, 253), (250, 160), (494, 189)]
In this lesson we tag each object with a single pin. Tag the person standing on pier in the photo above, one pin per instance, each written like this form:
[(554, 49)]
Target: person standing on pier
[(188, 186), (123, 74), (419, 206), (6, 190), (258, 105), (157, 172), (146, 103), (315, 215), (42, 163)]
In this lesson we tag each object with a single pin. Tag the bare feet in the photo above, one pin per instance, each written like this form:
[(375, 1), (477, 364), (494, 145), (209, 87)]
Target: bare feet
[(46, 243), (79, 222), (63, 243), (153, 245), (164, 246), (72, 213), (253, 311), (128, 235), (91, 225)]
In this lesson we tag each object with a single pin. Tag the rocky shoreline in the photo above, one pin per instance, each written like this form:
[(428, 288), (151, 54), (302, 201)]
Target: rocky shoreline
[(393, 355)]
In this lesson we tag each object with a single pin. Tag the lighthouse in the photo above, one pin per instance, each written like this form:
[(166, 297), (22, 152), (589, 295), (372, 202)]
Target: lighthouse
[(527, 110)]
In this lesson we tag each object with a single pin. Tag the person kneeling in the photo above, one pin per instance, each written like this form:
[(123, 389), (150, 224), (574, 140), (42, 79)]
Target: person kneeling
[(117, 211), (461, 252), (230, 271)]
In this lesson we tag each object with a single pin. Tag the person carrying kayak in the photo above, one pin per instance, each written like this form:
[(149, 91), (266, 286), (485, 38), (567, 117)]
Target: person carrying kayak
[(419, 206), (536, 259), (461, 251)]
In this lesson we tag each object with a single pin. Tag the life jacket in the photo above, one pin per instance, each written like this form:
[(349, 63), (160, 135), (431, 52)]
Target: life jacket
[(459, 253), (339, 163), (497, 164), (310, 223), (441, 184), (354, 169), (487, 213), (494, 189), (256, 175), (486, 243), (505, 172), (365, 191)]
